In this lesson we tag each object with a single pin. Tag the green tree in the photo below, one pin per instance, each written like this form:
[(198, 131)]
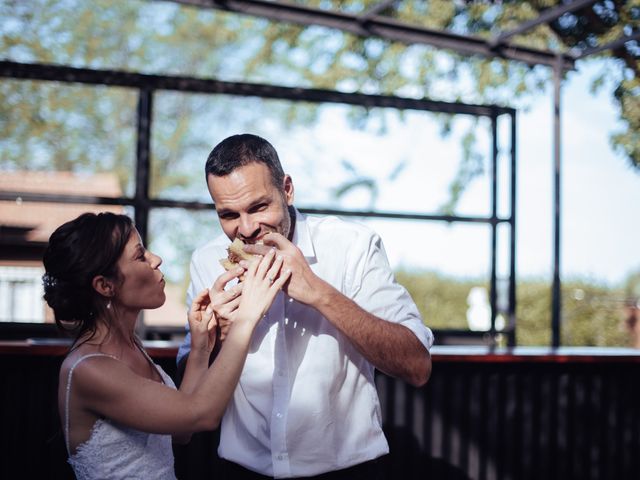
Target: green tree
[(593, 314), (49, 126), (174, 39)]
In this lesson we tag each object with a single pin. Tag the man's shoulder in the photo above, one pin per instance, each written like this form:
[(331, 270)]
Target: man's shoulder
[(333, 225)]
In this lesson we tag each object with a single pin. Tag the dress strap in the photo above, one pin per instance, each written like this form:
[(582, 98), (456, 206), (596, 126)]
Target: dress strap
[(150, 360), (68, 392)]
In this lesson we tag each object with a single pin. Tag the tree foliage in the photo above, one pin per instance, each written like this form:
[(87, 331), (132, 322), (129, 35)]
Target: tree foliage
[(65, 127), (592, 314), (162, 37)]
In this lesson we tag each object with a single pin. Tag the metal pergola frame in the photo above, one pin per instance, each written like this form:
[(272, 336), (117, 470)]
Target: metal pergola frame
[(142, 203), (372, 24), (367, 24)]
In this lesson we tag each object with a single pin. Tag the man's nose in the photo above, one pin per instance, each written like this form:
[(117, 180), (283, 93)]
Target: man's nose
[(248, 228)]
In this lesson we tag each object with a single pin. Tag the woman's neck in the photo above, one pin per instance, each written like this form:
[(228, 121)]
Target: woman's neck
[(117, 329)]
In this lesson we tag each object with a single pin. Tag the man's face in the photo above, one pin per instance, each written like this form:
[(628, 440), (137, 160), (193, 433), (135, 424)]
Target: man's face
[(249, 205)]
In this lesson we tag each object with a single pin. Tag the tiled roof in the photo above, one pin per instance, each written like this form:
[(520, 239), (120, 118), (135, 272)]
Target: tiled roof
[(43, 218)]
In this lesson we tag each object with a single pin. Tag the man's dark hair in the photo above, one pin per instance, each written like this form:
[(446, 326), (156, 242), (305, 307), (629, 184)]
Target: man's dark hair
[(240, 150)]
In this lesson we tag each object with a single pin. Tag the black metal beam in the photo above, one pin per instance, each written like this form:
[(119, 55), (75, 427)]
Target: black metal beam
[(511, 324), (118, 78), (143, 162), (493, 277), (383, 27), (546, 16), (609, 46), (556, 295), (165, 203)]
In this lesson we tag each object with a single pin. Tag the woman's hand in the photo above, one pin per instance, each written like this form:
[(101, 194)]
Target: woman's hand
[(225, 302), (262, 281), (202, 323)]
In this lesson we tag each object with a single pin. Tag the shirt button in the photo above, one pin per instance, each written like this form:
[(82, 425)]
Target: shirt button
[(278, 415)]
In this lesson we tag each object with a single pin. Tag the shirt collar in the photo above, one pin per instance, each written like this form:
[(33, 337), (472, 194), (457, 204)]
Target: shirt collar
[(302, 237)]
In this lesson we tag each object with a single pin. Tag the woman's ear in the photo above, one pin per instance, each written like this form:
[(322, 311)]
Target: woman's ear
[(103, 286)]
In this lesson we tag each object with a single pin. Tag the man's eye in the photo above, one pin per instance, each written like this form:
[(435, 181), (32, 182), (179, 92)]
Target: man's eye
[(259, 208)]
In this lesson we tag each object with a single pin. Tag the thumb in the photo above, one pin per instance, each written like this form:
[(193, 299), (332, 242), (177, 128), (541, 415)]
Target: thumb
[(210, 318), (275, 239)]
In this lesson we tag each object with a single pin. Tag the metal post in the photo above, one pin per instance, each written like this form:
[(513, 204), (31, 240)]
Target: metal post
[(143, 170), (556, 319), (512, 246), (494, 222), (143, 159)]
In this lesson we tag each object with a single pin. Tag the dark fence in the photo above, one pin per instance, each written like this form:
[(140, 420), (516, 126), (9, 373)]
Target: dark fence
[(494, 416)]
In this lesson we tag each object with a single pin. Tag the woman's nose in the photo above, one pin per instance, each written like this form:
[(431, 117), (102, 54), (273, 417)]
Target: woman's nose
[(156, 260)]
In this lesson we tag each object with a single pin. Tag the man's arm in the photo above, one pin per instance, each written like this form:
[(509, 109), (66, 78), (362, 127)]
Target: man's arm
[(390, 347)]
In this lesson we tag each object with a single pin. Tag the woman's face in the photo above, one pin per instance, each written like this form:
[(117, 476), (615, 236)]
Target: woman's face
[(141, 283)]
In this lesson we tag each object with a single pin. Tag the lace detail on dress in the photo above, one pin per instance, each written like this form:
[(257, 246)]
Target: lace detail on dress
[(114, 451)]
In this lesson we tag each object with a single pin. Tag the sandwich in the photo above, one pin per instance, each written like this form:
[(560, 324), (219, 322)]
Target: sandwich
[(235, 254)]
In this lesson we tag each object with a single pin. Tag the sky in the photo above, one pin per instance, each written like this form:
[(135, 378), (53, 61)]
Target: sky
[(600, 195), (600, 201)]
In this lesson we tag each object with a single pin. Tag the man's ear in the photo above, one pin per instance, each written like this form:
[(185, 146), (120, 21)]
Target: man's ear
[(287, 187), (103, 286)]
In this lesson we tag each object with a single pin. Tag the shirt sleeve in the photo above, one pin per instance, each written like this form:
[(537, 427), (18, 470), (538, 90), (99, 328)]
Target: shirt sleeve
[(374, 288)]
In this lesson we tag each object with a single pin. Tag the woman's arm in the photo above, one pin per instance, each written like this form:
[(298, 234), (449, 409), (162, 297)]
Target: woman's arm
[(109, 388)]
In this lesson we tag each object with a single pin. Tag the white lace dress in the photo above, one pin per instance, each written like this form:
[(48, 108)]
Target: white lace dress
[(115, 452)]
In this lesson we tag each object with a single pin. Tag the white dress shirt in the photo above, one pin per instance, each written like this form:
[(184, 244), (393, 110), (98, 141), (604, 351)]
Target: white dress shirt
[(306, 402)]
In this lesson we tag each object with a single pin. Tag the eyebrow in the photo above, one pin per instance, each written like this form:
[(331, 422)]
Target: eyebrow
[(257, 201)]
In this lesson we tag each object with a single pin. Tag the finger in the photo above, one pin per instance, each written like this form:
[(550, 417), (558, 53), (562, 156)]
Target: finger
[(275, 267), (212, 321), (265, 264), (255, 249), (220, 298), (229, 294), (226, 277), (252, 266), (201, 299), (224, 330), (281, 279), (277, 240), (225, 311)]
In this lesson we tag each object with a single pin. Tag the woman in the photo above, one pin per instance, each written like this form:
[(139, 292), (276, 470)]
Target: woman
[(118, 409)]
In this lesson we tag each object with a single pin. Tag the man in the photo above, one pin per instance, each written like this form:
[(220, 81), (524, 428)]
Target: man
[(306, 403)]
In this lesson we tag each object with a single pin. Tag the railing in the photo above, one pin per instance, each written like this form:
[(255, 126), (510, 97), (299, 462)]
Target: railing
[(485, 414)]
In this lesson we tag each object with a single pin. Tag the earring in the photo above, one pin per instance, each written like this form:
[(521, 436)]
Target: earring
[(109, 305)]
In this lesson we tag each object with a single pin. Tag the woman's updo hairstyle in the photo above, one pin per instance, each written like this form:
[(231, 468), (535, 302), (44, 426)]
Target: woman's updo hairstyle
[(79, 250)]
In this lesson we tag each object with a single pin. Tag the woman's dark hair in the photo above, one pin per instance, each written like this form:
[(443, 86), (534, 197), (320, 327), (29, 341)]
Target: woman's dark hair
[(79, 250), (240, 150)]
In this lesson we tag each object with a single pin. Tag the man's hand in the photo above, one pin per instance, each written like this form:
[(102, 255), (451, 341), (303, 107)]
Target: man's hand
[(303, 285), (224, 303)]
